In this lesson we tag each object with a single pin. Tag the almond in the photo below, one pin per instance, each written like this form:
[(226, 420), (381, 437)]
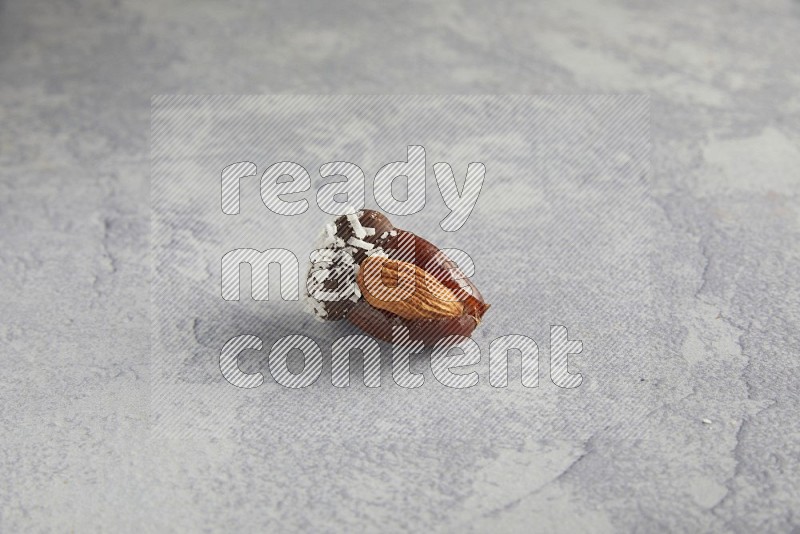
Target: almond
[(406, 290)]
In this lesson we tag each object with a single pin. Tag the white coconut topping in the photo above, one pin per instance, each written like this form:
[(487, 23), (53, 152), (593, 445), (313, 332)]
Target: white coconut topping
[(320, 275), (346, 257), (323, 255), (379, 252), (334, 260), (316, 308), (330, 229), (357, 242), (358, 230)]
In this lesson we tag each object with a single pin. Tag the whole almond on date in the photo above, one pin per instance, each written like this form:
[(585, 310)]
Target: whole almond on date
[(406, 290)]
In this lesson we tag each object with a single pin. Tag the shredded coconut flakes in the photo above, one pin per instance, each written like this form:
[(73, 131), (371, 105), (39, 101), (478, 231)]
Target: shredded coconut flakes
[(357, 242)]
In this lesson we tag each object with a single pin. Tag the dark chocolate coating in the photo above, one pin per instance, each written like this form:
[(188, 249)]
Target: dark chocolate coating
[(337, 310)]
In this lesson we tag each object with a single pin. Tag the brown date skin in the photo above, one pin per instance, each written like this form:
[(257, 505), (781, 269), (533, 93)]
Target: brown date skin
[(409, 247), (378, 323)]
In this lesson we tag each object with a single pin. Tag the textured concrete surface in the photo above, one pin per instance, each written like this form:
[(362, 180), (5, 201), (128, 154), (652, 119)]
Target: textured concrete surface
[(718, 451)]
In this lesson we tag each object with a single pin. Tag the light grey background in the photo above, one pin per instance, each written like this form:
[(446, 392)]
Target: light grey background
[(718, 450)]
